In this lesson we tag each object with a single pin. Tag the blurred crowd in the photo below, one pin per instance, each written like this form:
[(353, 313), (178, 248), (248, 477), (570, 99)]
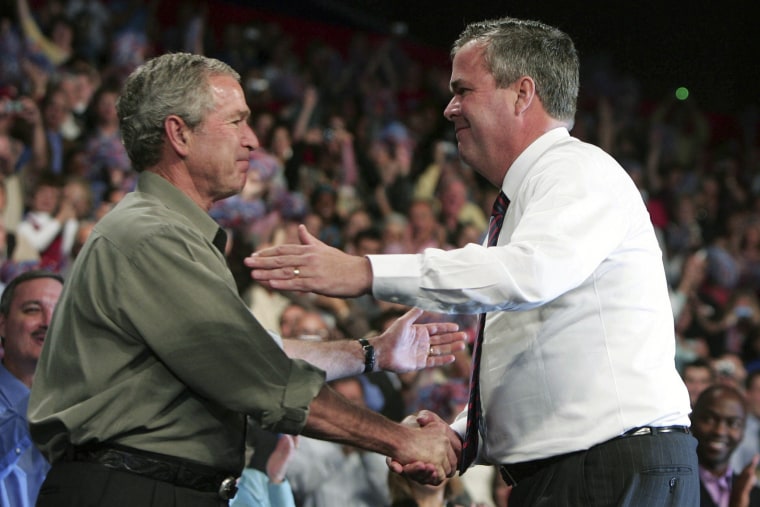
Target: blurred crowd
[(353, 143)]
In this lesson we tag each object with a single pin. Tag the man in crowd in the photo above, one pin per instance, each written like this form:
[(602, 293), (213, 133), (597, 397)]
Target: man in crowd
[(575, 393), (26, 307), (153, 360), (749, 446), (718, 424)]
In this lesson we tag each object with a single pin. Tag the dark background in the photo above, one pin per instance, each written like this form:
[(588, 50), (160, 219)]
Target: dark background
[(711, 47)]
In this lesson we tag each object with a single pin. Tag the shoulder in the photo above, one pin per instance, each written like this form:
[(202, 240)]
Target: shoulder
[(140, 217)]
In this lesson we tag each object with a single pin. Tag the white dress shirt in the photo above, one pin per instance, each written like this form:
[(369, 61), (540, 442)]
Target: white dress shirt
[(579, 343)]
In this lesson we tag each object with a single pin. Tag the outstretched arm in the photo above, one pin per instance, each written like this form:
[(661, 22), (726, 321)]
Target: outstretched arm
[(311, 266), (404, 347)]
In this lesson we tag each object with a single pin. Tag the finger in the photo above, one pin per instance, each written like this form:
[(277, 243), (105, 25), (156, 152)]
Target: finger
[(280, 267), (394, 466), (424, 473), (412, 315), (441, 328), (441, 360), (425, 417), (449, 342), (274, 253)]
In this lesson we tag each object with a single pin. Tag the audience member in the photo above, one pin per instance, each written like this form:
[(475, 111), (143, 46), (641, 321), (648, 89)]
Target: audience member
[(345, 475), (50, 225), (718, 425), (263, 482), (698, 375), (26, 308), (750, 442)]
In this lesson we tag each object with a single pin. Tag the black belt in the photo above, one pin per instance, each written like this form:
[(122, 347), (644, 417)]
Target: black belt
[(518, 472), (160, 467)]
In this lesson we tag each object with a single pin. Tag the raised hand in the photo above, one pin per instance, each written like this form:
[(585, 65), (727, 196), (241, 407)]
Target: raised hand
[(311, 266), (406, 346), (743, 484)]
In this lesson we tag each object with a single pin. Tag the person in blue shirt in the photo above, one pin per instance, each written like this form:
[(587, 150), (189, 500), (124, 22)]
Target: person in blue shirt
[(26, 306)]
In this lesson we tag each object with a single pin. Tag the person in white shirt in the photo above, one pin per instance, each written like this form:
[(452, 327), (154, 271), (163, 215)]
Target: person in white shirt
[(327, 474), (50, 225), (581, 403)]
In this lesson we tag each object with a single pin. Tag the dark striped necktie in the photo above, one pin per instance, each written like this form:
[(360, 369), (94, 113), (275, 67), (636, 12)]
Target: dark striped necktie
[(470, 444)]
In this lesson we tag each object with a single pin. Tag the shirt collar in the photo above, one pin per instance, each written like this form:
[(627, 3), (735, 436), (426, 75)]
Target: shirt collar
[(176, 200), (519, 168), (12, 390), (721, 481)]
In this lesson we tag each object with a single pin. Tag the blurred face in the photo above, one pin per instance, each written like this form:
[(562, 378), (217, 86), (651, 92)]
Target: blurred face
[(718, 427), (753, 396), (351, 389), (311, 326), (220, 146), (422, 218), (46, 199), (482, 114), (106, 108), (289, 320), (56, 110), (696, 380), (24, 328), (453, 199)]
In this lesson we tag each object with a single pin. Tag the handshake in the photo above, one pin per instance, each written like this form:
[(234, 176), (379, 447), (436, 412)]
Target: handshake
[(431, 452)]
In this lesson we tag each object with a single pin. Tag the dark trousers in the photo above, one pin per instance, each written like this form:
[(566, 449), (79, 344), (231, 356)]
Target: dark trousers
[(640, 471), (80, 484)]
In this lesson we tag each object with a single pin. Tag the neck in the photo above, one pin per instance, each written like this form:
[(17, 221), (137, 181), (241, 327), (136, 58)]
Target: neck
[(182, 180), (718, 470)]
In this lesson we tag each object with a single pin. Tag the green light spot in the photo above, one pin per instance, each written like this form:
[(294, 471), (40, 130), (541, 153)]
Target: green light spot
[(682, 93)]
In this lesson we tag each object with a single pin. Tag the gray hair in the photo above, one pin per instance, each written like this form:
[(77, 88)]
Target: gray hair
[(171, 84), (516, 48)]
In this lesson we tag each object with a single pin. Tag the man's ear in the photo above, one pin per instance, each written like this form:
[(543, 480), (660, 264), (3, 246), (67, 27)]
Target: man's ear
[(178, 134), (526, 93)]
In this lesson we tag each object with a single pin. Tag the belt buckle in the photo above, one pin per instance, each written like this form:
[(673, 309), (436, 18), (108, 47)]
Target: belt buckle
[(228, 488)]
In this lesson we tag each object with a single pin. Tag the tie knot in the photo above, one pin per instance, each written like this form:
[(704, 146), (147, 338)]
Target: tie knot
[(500, 204)]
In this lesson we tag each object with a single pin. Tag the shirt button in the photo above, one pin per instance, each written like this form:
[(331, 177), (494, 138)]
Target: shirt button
[(18, 450)]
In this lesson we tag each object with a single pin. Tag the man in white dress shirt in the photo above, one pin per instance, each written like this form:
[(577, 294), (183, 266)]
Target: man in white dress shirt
[(581, 401)]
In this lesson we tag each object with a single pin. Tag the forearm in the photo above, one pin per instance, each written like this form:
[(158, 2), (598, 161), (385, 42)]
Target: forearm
[(332, 417), (341, 358)]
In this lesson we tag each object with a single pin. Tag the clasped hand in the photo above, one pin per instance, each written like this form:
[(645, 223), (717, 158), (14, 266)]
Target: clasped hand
[(434, 453)]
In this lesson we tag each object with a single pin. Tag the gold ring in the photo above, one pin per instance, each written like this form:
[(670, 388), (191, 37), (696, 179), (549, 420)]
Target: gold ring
[(296, 272), (430, 353)]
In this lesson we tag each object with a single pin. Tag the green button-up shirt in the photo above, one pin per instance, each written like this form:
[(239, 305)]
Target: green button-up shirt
[(151, 346)]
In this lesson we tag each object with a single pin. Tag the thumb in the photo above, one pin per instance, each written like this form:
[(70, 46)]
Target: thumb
[(412, 315), (305, 237)]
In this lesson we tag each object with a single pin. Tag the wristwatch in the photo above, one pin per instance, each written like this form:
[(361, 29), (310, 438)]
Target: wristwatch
[(369, 355)]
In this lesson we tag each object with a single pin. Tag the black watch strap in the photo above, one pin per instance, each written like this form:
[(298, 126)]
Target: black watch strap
[(369, 355)]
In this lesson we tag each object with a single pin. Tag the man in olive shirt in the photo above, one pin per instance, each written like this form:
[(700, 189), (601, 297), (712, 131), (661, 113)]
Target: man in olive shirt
[(153, 360)]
